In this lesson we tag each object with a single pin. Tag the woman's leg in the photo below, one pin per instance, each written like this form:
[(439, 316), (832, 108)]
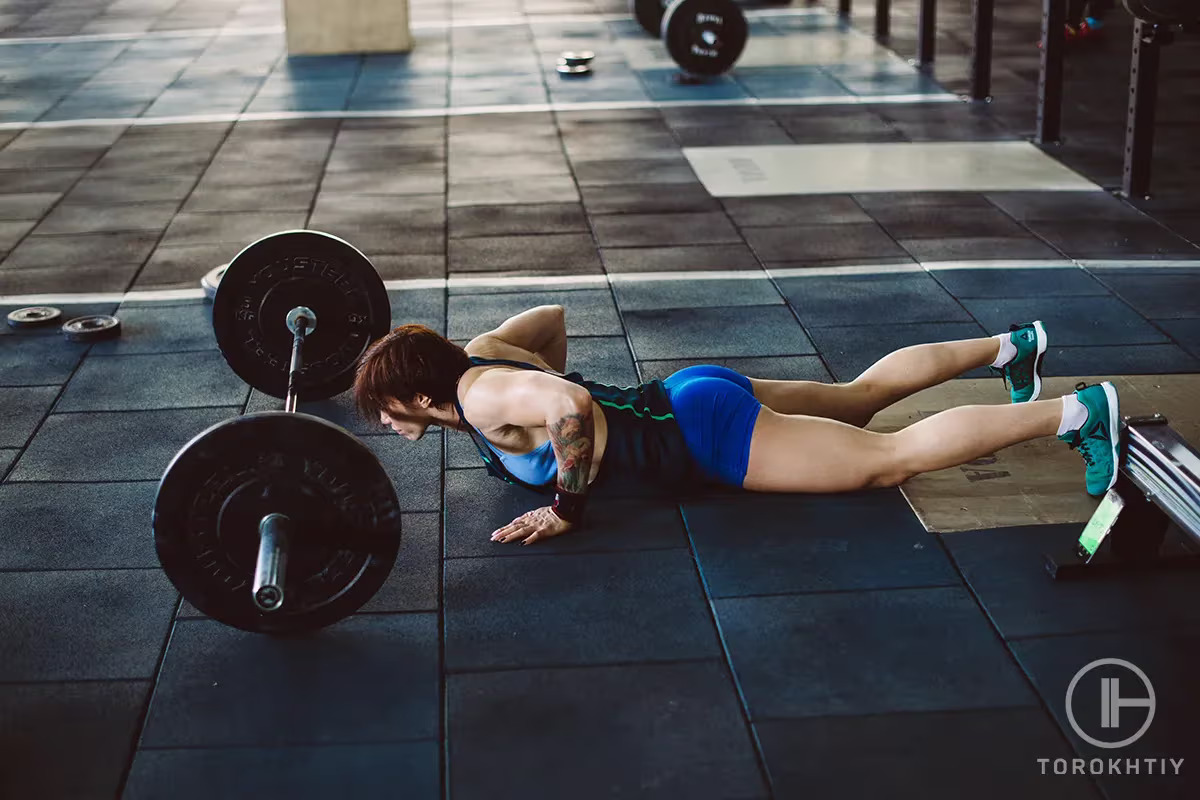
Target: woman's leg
[(892, 378), (791, 453)]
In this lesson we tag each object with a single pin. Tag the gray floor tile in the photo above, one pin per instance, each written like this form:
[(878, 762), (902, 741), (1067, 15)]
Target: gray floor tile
[(1083, 321), (303, 773), (603, 359), (251, 198), (1184, 331), (1107, 238), (468, 221), (689, 333), (134, 445), (644, 295), (183, 266), (979, 247), (1156, 294), (68, 739), (478, 504), (679, 258), (633, 170), (339, 410), (415, 582), (191, 229), (555, 254), (182, 327), (589, 312), (416, 213), (835, 654), (8, 457), (984, 754), (392, 266), (67, 279), (38, 180), (763, 212), (21, 411), (648, 198), (368, 679), (749, 545), (850, 350), (537, 189), (94, 248), (786, 368), (145, 382), (411, 180), (1083, 206), (886, 201), (421, 306), (661, 230), (38, 359), (1141, 359), (376, 239), (414, 467), (27, 206), (931, 222), (603, 742), (84, 624), (1017, 282), (73, 219), (892, 298), (105, 525), (575, 609), (816, 243), (101, 189)]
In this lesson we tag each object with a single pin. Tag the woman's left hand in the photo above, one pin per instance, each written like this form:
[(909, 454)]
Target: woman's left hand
[(532, 526)]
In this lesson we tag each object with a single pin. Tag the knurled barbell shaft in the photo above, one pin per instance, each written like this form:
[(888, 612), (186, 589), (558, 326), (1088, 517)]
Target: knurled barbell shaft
[(302, 324), (274, 534)]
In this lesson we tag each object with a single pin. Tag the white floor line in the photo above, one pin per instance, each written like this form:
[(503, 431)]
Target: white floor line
[(470, 111), (483, 22), (554, 281)]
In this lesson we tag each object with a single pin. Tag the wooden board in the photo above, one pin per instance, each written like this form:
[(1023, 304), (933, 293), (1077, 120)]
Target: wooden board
[(1038, 482)]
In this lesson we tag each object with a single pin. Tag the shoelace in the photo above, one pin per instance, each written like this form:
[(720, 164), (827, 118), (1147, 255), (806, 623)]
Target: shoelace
[(1082, 445), (1026, 370)]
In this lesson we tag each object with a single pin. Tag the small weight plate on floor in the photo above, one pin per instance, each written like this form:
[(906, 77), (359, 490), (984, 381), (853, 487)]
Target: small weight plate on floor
[(218, 488), (649, 14), (92, 329), (577, 58), (33, 317), (704, 37), (299, 268), (212, 280), (567, 69)]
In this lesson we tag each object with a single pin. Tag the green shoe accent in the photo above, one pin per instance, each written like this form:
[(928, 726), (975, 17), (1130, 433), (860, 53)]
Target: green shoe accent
[(1099, 440), (1023, 375)]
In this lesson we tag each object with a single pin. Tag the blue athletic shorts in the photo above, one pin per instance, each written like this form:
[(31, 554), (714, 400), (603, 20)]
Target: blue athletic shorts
[(716, 410)]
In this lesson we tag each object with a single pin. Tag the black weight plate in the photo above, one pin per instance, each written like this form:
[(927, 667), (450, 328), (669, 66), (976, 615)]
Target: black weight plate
[(223, 482), (704, 37), (33, 316), (95, 328), (299, 268), (649, 14)]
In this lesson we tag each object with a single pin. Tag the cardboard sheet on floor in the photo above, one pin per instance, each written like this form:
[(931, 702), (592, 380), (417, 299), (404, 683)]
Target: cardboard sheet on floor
[(1038, 482)]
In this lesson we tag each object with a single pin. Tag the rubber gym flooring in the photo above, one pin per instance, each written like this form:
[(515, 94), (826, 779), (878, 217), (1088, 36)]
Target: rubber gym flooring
[(730, 646)]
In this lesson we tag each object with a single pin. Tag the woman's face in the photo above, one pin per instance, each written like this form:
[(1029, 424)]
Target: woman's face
[(408, 420)]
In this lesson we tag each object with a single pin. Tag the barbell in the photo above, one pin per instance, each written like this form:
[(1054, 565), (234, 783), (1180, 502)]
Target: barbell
[(280, 521), (704, 37)]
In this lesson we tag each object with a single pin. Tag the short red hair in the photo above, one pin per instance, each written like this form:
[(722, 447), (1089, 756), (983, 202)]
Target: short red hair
[(410, 360)]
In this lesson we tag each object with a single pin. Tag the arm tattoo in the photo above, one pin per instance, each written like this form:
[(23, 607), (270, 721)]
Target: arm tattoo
[(571, 437)]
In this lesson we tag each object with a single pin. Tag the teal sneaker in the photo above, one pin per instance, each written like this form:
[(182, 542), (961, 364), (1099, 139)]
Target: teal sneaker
[(1023, 375), (1099, 440)]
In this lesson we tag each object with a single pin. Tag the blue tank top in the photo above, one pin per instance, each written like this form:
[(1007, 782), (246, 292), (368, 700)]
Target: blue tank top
[(538, 466)]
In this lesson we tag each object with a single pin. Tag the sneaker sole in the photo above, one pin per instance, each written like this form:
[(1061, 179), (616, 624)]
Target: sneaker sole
[(1114, 430), (1037, 361)]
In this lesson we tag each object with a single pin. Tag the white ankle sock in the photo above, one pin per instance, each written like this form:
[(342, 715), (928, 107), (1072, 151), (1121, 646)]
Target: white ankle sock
[(1074, 414), (1008, 350)]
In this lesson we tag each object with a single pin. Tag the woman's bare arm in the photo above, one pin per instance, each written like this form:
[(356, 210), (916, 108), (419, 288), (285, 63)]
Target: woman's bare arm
[(541, 330)]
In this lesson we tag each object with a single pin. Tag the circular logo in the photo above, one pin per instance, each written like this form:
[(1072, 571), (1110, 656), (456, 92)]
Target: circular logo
[(1112, 702)]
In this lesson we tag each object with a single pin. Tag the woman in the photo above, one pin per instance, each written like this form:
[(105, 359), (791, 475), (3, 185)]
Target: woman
[(536, 427)]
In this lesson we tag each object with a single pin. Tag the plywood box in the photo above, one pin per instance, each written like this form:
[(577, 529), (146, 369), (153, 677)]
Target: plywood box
[(1038, 482), (325, 27)]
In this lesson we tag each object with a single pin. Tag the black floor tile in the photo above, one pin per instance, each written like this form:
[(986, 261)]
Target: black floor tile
[(575, 610), (423, 306), (385, 183), (663, 230), (184, 266), (1017, 282), (985, 754), (68, 740), (32, 359), (303, 773), (414, 215), (192, 229), (1083, 321), (932, 222), (134, 445), (99, 279), (589, 312), (469, 221), (339, 410), (414, 467), (748, 545), (850, 350), (555, 254), (84, 624), (371, 678), (867, 653), (817, 209), (816, 243), (1184, 331), (105, 525), (535, 189), (893, 298), (478, 504), (1083, 206), (8, 457), (979, 247), (1141, 359), (617, 171), (415, 582), (875, 202), (21, 411), (647, 198), (1156, 294), (607, 741), (86, 248), (27, 206), (1107, 238), (154, 328), (604, 359), (1165, 659), (754, 290), (1004, 569), (20, 181), (145, 382), (782, 368), (693, 333), (411, 265), (77, 219), (682, 258), (99, 189), (380, 239), (224, 199)]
